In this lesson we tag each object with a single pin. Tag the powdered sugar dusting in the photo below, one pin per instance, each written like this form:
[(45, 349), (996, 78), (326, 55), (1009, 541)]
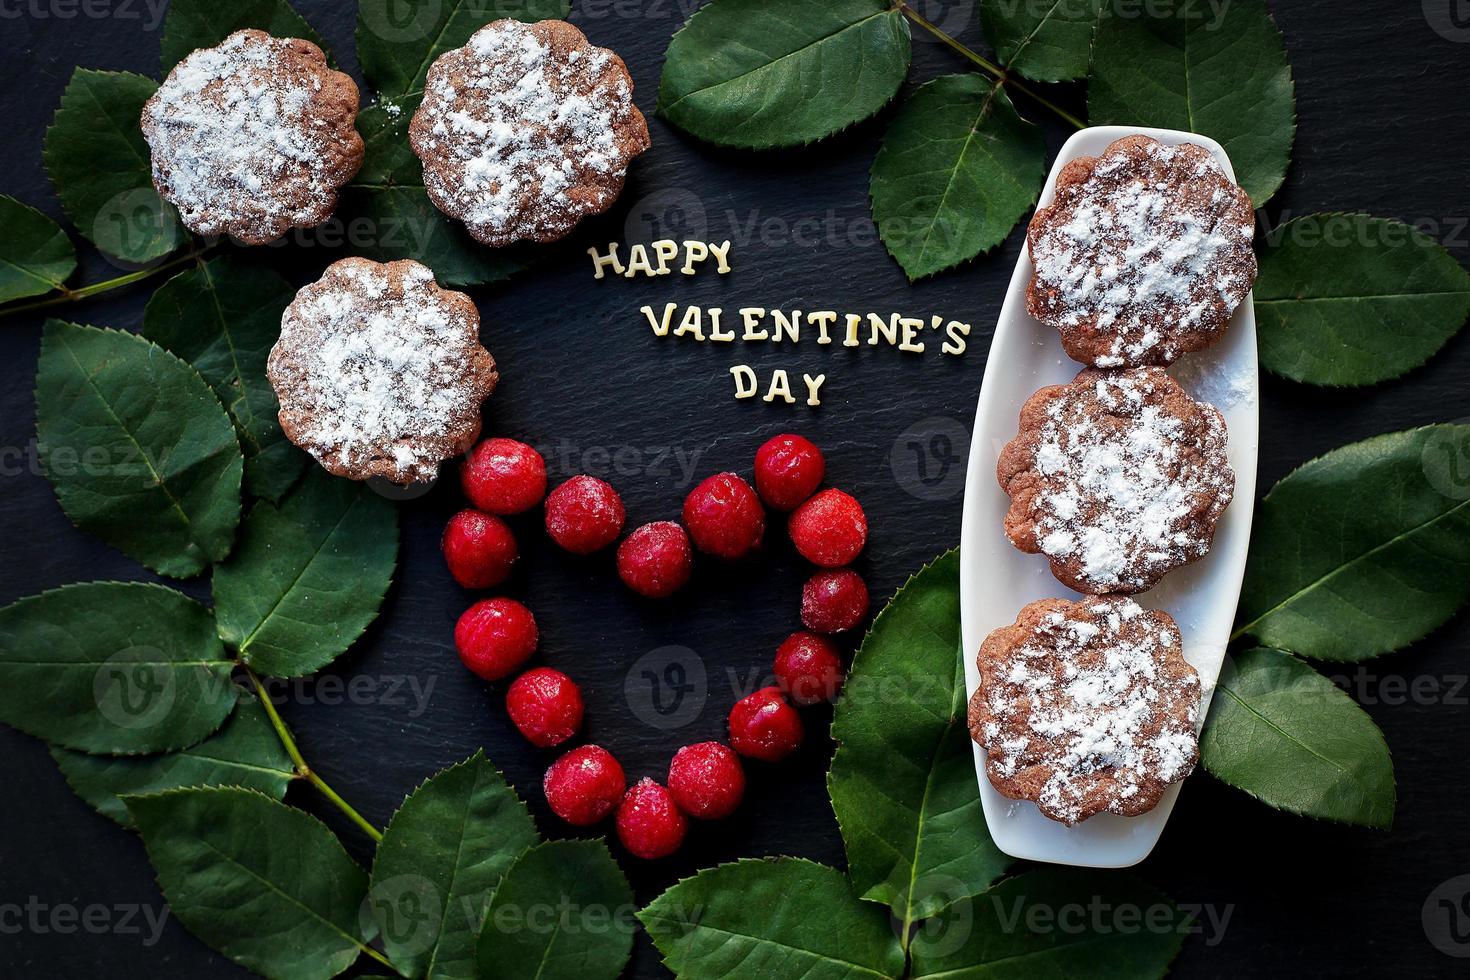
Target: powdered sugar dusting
[(1130, 478), (379, 369), (1087, 707), (523, 134), (253, 137), (1147, 254)]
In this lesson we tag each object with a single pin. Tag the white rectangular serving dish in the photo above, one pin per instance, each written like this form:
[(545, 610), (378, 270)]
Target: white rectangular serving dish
[(996, 580)]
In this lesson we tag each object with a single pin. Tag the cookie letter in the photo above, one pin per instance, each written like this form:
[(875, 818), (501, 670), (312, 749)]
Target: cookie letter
[(744, 381), (660, 327), (693, 252), (780, 386), (957, 332), (692, 324), (911, 327), (822, 320), (715, 333), (721, 253), (813, 387), (600, 262), (665, 250), (638, 262), (751, 317)]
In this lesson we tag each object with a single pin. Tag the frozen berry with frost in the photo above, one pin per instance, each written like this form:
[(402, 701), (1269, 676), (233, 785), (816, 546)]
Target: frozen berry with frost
[(649, 823), (788, 470), (725, 517), (495, 636), (584, 515), (584, 785), (479, 549), (502, 476), (545, 705), (655, 560), (764, 726), (707, 780), (808, 668), (830, 530), (833, 602)]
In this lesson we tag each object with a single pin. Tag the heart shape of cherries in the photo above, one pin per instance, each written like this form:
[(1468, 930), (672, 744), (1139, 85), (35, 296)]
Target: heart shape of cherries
[(724, 518)]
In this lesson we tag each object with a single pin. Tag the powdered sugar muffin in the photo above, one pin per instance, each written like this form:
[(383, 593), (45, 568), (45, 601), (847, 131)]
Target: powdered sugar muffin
[(253, 137), (1086, 707), (1143, 254), (1117, 477), (526, 130), (380, 372)]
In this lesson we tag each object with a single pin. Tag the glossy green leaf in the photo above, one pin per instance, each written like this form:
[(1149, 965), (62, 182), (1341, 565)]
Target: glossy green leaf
[(113, 667), (308, 575), (1291, 738), (768, 73), (223, 318), (268, 886), (387, 222), (1047, 42), (100, 165), (440, 859), (563, 911), (1345, 299), (35, 254), (137, 447), (1054, 923), (1216, 69), (903, 778), (244, 752), (957, 170), (782, 917), (192, 24), (1364, 550)]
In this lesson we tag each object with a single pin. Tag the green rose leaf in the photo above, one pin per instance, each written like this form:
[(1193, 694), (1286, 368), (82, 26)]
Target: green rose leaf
[(223, 318), (759, 74), (440, 859), (957, 170), (563, 911), (35, 255), (100, 164), (137, 447), (1345, 299), (192, 24), (1291, 738), (1217, 70), (1044, 43), (903, 778), (392, 221), (308, 575), (245, 752), (782, 917), (1061, 924), (1364, 550), (268, 886), (117, 668)]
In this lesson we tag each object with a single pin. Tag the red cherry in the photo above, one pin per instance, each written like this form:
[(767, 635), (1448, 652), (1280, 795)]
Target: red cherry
[(707, 780), (830, 529), (584, 785), (788, 469), (479, 549), (763, 726), (545, 705), (832, 602), (808, 668), (649, 824), (495, 636), (584, 515), (655, 560), (502, 476), (725, 517)]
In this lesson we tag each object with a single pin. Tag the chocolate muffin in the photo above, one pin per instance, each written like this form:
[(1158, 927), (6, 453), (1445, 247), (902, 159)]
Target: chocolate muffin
[(380, 372), (526, 130), (1118, 477), (1143, 254), (253, 137), (1086, 707)]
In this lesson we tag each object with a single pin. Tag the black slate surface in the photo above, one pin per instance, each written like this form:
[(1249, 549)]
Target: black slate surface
[(1382, 129)]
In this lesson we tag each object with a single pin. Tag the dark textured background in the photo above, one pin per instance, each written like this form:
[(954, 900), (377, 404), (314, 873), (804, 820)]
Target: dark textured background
[(1382, 129)]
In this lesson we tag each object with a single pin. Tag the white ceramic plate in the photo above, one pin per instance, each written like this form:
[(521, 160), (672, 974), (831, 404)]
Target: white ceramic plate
[(996, 580)]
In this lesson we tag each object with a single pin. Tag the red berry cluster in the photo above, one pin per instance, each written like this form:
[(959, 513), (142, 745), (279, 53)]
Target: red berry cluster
[(725, 518)]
